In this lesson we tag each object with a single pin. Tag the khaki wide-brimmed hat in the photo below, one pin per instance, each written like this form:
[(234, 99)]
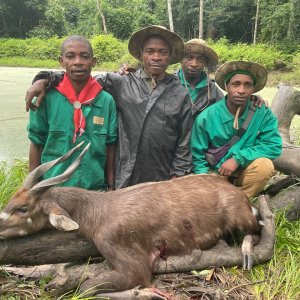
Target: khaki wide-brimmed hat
[(137, 39), (257, 70), (199, 46)]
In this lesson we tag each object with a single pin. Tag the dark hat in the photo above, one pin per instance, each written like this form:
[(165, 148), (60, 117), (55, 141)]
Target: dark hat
[(137, 39), (257, 71), (199, 46)]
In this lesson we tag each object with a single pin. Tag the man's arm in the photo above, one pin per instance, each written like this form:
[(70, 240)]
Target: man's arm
[(112, 135), (199, 144), (46, 80), (182, 161), (43, 81), (268, 143), (110, 166), (35, 154)]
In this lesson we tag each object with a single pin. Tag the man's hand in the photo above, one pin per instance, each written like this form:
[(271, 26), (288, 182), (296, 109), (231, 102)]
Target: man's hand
[(259, 101), (38, 90), (228, 167), (126, 69)]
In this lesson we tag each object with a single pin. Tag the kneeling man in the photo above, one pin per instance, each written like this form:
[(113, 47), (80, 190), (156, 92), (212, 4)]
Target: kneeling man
[(228, 141)]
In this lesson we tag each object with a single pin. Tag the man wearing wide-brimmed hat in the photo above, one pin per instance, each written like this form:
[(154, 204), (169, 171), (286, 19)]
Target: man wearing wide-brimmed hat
[(154, 112), (203, 91), (247, 159)]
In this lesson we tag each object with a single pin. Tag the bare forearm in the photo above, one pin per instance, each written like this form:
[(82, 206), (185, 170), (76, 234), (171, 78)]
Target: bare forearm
[(110, 165), (35, 153)]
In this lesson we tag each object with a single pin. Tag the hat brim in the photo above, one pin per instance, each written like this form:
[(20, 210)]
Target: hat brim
[(137, 39), (210, 54), (258, 71)]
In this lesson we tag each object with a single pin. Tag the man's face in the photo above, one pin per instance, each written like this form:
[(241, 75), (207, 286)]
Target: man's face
[(156, 56), (78, 61), (193, 64), (239, 89)]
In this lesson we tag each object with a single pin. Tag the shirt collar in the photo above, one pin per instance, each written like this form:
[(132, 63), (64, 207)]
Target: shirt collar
[(226, 115), (200, 84)]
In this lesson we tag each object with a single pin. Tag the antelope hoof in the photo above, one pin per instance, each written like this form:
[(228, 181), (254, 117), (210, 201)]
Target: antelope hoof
[(248, 261)]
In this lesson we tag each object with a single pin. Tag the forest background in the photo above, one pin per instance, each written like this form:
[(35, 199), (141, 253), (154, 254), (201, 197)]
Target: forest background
[(265, 31)]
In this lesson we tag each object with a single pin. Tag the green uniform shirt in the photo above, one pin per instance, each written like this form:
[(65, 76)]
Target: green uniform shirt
[(196, 90), (51, 126), (214, 127)]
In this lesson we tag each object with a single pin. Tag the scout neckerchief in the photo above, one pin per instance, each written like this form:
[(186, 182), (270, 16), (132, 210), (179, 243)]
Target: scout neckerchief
[(86, 96)]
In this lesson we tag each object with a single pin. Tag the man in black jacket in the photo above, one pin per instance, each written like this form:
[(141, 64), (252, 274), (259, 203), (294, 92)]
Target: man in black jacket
[(154, 110)]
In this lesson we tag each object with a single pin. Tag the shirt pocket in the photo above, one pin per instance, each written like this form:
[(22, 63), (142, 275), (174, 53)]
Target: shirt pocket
[(99, 138), (57, 143)]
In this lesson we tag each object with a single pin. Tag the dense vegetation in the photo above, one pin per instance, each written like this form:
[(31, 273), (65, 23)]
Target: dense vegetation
[(235, 20)]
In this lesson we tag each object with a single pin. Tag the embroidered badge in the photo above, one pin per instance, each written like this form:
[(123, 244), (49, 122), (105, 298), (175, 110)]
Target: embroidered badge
[(98, 120)]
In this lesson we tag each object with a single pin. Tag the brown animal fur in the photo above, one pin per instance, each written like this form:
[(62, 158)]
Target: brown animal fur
[(133, 227)]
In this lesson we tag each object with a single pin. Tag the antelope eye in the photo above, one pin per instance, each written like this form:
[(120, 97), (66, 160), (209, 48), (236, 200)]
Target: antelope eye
[(22, 209)]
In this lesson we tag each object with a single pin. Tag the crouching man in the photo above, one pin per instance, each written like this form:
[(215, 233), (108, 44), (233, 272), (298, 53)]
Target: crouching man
[(232, 137)]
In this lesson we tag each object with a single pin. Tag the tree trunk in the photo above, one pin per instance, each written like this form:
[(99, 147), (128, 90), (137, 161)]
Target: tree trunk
[(99, 7), (170, 15), (285, 105), (291, 27), (256, 22), (201, 10)]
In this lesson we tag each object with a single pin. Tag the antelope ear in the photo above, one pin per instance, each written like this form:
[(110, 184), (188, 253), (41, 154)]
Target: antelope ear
[(62, 222)]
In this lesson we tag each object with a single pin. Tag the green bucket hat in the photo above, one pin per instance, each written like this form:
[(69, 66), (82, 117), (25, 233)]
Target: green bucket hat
[(137, 39), (258, 72)]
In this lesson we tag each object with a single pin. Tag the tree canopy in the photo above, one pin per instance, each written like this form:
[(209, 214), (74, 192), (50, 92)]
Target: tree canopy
[(232, 19)]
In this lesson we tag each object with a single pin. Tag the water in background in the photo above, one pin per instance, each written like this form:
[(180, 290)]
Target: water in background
[(14, 82)]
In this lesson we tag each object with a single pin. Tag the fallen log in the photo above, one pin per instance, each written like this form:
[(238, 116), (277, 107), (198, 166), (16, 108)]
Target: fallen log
[(68, 276), (285, 105)]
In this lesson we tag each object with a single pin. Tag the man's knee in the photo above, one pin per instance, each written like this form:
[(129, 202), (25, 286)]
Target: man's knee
[(263, 167)]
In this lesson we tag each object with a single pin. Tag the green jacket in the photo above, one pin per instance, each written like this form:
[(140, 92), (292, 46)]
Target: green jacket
[(51, 126), (214, 127)]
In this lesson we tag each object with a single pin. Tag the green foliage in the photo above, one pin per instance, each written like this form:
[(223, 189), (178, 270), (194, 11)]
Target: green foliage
[(31, 48), (281, 276), (119, 22), (264, 54), (107, 48), (11, 178)]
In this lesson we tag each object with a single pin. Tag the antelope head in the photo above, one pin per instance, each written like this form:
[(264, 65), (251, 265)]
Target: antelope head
[(25, 213)]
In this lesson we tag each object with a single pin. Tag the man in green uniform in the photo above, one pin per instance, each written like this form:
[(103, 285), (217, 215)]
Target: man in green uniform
[(202, 90), (249, 159), (76, 110)]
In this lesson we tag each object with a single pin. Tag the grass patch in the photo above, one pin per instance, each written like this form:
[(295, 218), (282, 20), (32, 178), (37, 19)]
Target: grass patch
[(11, 178), (28, 62)]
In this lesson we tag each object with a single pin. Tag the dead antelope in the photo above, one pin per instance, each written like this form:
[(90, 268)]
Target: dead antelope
[(133, 227)]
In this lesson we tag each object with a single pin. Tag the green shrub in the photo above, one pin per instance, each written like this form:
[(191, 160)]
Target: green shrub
[(43, 48), (264, 54), (107, 48), (12, 47)]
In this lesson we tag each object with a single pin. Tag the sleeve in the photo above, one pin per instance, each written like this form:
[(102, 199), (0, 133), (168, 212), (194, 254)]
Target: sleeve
[(112, 133), (268, 143), (109, 82), (199, 144), (182, 161), (54, 78), (37, 127)]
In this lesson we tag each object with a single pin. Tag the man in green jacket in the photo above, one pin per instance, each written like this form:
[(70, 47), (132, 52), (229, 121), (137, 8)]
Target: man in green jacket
[(75, 111), (203, 91), (249, 160)]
